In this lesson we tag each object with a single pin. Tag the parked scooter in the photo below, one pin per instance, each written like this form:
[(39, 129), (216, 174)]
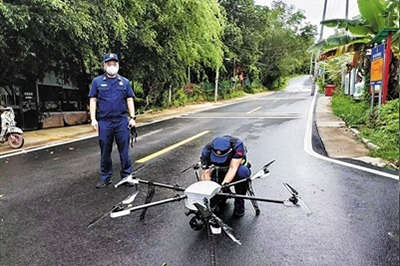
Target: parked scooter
[(9, 131)]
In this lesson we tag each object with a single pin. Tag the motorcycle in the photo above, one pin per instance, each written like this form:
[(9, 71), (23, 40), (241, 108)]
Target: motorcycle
[(9, 131)]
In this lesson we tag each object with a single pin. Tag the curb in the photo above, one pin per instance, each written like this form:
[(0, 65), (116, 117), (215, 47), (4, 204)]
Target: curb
[(364, 140)]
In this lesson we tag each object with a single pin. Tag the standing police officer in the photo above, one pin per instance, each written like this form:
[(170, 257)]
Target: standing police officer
[(113, 95), (228, 156)]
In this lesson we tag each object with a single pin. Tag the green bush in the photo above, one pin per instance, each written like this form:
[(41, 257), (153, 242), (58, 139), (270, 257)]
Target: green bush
[(255, 87), (381, 127), (385, 132), (352, 112)]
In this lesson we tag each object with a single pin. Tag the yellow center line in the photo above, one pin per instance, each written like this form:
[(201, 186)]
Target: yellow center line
[(151, 156), (252, 111)]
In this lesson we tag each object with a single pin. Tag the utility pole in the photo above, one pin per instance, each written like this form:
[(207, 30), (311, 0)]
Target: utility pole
[(311, 64), (319, 52), (170, 94), (234, 73), (347, 9), (323, 18), (216, 85)]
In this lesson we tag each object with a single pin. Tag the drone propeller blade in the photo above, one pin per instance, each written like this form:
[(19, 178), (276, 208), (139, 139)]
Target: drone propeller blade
[(227, 229), (295, 200), (204, 211), (264, 172), (130, 198), (119, 213), (268, 164), (291, 189), (128, 179), (103, 215), (259, 174), (194, 166), (140, 167), (304, 206)]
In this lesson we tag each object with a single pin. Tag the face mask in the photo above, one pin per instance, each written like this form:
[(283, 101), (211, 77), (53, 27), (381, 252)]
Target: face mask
[(112, 70)]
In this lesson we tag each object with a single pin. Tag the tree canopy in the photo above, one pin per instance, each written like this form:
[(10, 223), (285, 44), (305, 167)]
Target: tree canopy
[(156, 40)]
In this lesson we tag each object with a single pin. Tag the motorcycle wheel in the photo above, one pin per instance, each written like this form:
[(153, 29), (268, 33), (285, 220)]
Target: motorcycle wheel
[(15, 141)]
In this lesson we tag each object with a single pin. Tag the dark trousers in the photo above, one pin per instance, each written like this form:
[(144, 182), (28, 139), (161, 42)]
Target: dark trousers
[(108, 130), (242, 173)]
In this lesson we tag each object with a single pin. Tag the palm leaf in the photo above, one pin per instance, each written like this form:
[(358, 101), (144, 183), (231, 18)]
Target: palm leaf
[(374, 13), (356, 26), (392, 17), (337, 41)]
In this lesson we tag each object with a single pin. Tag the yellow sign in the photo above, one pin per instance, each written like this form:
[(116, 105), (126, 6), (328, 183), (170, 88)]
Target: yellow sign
[(377, 70)]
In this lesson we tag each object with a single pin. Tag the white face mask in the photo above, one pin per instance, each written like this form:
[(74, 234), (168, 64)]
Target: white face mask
[(112, 70)]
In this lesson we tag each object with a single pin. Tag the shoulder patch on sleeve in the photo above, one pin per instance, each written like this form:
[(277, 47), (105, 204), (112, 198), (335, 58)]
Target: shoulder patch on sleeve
[(239, 153)]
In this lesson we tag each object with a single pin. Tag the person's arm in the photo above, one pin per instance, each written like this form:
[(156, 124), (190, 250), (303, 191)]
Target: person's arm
[(92, 108), (131, 105), (205, 164), (233, 167), (205, 174), (131, 109)]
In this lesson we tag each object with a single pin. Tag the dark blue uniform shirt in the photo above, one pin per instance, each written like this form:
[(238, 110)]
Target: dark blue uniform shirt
[(111, 94)]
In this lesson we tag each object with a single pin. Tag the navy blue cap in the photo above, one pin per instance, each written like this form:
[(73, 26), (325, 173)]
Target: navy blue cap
[(221, 148), (109, 57)]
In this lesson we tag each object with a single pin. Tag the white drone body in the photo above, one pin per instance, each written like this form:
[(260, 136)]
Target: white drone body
[(198, 191)]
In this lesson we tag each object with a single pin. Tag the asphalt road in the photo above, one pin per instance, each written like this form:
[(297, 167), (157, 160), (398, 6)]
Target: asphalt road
[(48, 197)]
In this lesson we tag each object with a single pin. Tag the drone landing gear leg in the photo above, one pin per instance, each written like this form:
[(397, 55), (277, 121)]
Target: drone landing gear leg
[(149, 198), (250, 191)]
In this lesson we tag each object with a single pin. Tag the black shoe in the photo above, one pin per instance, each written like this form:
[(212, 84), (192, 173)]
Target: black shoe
[(103, 183), (238, 212)]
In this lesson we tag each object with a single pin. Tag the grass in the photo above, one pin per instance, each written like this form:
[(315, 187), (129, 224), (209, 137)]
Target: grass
[(352, 112), (381, 127)]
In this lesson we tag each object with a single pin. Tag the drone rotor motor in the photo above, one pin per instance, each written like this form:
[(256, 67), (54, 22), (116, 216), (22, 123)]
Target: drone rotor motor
[(197, 223)]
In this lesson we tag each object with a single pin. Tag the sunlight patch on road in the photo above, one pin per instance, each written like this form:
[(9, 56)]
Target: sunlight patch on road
[(170, 148)]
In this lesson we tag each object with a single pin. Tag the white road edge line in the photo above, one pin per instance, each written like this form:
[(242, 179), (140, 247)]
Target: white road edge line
[(308, 148), (252, 111)]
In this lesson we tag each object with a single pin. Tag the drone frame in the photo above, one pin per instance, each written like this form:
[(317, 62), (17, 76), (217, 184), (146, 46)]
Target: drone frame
[(202, 210)]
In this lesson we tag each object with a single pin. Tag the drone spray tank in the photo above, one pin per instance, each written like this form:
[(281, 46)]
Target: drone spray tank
[(199, 192)]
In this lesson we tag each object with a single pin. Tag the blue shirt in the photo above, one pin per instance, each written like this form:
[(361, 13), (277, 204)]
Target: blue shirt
[(111, 95)]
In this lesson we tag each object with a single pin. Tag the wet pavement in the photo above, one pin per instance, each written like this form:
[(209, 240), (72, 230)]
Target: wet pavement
[(48, 197)]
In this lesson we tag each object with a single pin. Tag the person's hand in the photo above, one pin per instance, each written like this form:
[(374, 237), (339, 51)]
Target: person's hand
[(95, 125), (132, 123)]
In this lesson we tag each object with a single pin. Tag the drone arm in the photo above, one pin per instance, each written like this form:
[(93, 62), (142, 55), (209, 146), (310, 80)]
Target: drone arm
[(235, 183), (176, 187), (152, 204), (231, 195)]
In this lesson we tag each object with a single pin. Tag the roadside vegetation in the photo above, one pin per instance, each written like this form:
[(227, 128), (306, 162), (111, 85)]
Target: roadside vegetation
[(380, 126), (163, 45), (350, 49)]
